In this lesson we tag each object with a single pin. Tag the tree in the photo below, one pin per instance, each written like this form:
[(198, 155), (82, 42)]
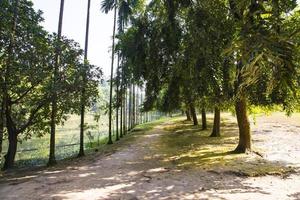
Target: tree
[(52, 159), (264, 57), (28, 79), (106, 6), (125, 9), (83, 96)]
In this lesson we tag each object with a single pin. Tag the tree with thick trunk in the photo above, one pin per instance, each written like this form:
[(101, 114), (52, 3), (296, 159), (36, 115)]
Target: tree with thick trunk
[(204, 121), (244, 126), (188, 116), (194, 114), (12, 135), (216, 125)]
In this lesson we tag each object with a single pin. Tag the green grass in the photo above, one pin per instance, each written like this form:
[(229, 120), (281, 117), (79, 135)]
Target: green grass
[(95, 139), (66, 134), (185, 146)]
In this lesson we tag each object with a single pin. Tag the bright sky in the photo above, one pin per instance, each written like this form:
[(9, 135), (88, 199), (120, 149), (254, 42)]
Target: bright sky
[(74, 23)]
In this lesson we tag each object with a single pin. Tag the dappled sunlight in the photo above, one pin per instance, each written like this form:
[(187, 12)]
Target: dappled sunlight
[(93, 193), (177, 162), (86, 175), (193, 148)]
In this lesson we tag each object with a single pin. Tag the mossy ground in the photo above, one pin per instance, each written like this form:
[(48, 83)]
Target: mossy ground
[(189, 147)]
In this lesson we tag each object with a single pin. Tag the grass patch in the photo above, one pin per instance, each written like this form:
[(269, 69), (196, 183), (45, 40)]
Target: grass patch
[(186, 147)]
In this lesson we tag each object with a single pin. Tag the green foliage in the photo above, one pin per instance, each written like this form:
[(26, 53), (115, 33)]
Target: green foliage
[(27, 60), (188, 51)]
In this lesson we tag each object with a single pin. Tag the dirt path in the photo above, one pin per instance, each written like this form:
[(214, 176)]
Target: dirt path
[(136, 172)]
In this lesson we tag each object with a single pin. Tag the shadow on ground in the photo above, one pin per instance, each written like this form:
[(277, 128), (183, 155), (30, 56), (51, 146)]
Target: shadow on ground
[(175, 160)]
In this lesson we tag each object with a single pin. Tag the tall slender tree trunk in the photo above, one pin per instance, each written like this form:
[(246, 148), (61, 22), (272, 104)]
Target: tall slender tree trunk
[(133, 107), (130, 108), (204, 120), (137, 107), (217, 122), (111, 79), (83, 96), (125, 111), (11, 129), (121, 114), (52, 159), (244, 126), (2, 124), (193, 113), (188, 116), (118, 99), (121, 102)]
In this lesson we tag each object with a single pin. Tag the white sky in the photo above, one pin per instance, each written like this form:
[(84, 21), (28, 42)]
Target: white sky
[(74, 23)]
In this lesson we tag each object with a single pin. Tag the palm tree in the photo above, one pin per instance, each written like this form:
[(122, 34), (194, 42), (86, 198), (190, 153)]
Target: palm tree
[(118, 101), (106, 6), (124, 8), (81, 149), (54, 92)]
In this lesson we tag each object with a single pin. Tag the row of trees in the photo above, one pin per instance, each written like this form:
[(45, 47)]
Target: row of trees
[(189, 55), (218, 54), (44, 77)]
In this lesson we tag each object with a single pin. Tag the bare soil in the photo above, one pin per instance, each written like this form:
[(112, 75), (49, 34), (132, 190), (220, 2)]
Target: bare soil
[(135, 170)]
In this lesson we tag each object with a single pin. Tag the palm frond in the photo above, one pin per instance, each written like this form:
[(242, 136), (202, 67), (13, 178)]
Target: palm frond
[(107, 5)]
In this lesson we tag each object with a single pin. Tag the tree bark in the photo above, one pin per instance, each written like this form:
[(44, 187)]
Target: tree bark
[(204, 121), (111, 79), (193, 113), (244, 126), (130, 108), (12, 142), (83, 97), (133, 107), (125, 111), (2, 124), (52, 159), (217, 121), (118, 99), (11, 129), (188, 116)]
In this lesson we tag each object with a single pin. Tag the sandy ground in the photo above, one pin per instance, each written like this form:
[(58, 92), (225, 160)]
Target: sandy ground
[(135, 172)]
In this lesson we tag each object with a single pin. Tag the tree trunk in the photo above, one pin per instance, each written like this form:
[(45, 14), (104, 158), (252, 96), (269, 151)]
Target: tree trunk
[(204, 121), (2, 124), (6, 108), (193, 113), (111, 79), (121, 114), (118, 99), (217, 121), (130, 108), (244, 126), (52, 160), (133, 107), (121, 106), (125, 111), (12, 142), (188, 116), (83, 97)]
